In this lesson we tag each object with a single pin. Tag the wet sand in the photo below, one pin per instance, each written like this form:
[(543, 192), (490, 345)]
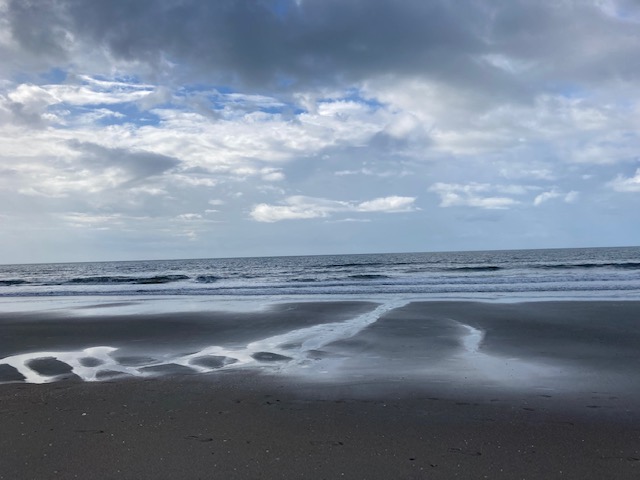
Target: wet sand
[(430, 390), (77, 328)]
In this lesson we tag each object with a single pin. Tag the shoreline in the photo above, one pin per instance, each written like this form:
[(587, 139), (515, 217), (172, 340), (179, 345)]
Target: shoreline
[(122, 304)]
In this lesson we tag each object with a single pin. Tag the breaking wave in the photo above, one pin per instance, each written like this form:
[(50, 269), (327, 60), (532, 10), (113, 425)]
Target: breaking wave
[(9, 283), (487, 268), (110, 280), (207, 278)]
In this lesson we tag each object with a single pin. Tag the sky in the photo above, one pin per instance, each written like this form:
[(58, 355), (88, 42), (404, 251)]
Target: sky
[(193, 129)]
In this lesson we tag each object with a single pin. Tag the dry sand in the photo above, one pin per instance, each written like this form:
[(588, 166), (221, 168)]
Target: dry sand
[(246, 426)]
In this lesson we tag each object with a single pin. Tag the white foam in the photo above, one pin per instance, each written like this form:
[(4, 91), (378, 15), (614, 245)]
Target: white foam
[(505, 370), (472, 341), (73, 359), (294, 344)]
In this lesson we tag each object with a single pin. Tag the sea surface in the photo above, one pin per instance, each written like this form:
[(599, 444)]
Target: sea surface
[(602, 273)]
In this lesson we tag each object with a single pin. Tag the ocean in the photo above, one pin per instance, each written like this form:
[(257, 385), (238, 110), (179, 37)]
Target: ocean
[(493, 318), (611, 273)]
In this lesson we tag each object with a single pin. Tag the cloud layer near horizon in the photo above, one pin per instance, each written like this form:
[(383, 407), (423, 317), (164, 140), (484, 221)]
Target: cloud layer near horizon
[(248, 127)]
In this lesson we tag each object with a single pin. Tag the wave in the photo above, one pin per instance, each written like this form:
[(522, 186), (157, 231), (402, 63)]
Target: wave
[(368, 276), (486, 268), (350, 265), (110, 280), (365, 264), (565, 266), (207, 278), (12, 282)]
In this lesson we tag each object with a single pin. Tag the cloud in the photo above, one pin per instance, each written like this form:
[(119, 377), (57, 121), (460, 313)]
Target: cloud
[(626, 184), (35, 104), (135, 165), (77, 169), (569, 197), (84, 220), (301, 207), (93, 148), (387, 204), (305, 42), (569, 127), (189, 216), (295, 209), (471, 195), (92, 93), (353, 220), (503, 47)]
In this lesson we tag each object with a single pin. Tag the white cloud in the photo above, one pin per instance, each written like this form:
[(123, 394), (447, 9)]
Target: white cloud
[(352, 220), (626, 184), (148, 190), (577, 128), (98, 114), (94, 221), (272, 174), (388, 204), (374, 173), (301, 207), (189, 216), (238, 141), (34, 100), (518, 171), (570, 197), (475, 195), (546, 196), (195, 180), (295, 208), (240, 145), (85, 95)]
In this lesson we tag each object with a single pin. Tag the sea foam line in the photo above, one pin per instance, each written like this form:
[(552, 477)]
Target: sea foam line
[(473, 339), (295, 345), (73, 359), (513, 371)]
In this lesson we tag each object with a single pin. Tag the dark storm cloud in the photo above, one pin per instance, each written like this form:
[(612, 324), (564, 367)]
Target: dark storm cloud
[(272, 43), (267, 42), (37, 27), (578, 40)]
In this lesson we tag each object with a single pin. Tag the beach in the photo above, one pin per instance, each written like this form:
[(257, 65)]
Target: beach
[(321, 239), (435, 389)]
